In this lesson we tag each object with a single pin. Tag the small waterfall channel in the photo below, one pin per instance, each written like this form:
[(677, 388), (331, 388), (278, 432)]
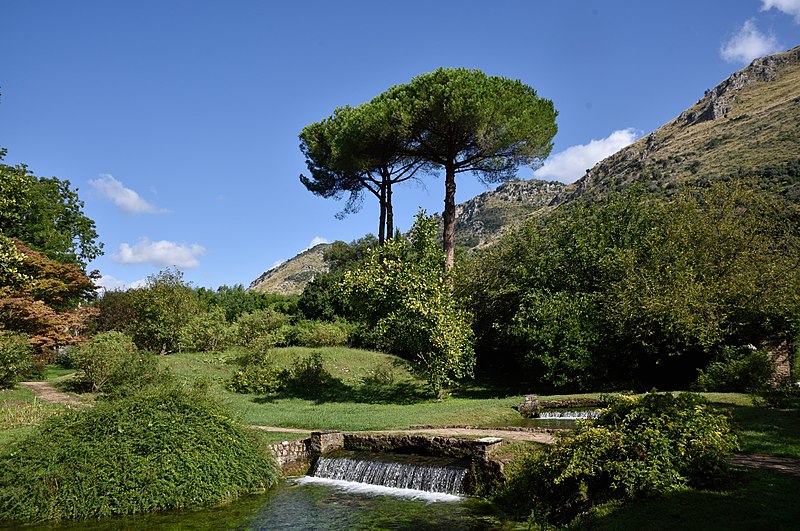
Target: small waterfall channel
[(569, 415), (433, 479)]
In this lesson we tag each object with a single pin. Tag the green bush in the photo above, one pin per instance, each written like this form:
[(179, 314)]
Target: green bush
[(320, 334), (260, 328), (206, 332), (16, 358), (738, 369), (110, 362), (639, 446), (164, 449), (259, 375), (404, 295), (258, 379)]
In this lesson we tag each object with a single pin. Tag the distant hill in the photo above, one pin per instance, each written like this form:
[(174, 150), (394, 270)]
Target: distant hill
[(291, 276), (748, 125)]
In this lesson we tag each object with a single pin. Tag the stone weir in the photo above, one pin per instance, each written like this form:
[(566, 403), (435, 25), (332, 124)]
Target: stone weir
[(483, 472)]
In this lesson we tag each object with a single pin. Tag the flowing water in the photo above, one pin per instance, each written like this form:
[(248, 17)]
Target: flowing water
[(401, 472), (310, 503)]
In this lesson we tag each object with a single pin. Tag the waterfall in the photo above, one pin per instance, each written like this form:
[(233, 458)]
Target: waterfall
[(411, 474), (569, 415)]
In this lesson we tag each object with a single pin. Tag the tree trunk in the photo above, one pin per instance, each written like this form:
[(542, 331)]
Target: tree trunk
[(389, 212), (381, 227), (449, 215)]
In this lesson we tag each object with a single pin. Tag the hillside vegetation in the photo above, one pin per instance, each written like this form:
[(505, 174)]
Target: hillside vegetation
[(747, 126)]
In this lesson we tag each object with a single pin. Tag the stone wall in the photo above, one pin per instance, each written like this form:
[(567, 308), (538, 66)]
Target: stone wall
[(484, 473), (294, 457)]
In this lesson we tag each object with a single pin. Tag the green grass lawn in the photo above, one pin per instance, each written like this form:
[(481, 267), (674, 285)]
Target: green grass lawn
[(752, 499)]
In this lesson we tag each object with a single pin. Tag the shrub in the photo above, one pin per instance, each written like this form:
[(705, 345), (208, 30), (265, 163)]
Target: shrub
[(260, 376), (402, 292), (637, 447), (255, 329), (737, 369), (110, 362), (258, 379), (164, 449), (16, 358), (206, 332), (320, 334)]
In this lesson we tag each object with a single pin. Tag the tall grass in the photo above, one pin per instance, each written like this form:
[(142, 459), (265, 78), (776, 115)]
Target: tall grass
[(161, 449)]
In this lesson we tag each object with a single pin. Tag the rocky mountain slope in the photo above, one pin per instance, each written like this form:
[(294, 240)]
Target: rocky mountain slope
[(747, 125), (291, 276)]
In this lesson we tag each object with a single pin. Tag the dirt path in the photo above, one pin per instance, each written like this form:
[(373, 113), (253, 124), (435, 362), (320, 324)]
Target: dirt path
[(47, 393), (785, 465), (511, 435)]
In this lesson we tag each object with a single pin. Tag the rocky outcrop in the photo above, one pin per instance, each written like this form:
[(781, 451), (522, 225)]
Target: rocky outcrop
[(290, 277), (718, 102)]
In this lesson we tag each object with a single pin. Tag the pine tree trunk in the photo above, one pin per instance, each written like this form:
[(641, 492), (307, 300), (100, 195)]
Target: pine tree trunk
[(449, 215)]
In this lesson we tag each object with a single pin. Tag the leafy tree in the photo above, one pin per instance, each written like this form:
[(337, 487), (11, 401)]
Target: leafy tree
[(322, 298), (636, 291), (162, 308), (462, 120), (403, 293), (356, 150), (47, 215), (236, 300), (44, 298)]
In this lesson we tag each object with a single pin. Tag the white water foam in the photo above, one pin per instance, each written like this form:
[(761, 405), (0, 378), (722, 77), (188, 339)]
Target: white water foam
[(569, 415), (376, 490)]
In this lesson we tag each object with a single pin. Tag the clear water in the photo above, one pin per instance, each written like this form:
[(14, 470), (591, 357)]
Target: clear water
[(293, 505), (403, 472)]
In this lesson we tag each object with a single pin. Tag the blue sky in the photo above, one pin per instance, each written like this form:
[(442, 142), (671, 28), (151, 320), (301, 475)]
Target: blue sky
[(178, 120)]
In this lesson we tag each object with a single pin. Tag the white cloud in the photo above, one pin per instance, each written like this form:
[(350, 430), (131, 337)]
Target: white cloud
[(125, 198), (569, 165), (790, 7), (161, 253), (748, 44), (316, 240), (109, 283)]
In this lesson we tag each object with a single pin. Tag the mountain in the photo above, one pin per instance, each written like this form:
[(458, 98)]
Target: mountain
[(483, 218), (748, 125), (291, 276)]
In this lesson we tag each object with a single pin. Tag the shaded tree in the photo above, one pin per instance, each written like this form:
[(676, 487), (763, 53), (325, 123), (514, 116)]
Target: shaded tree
[(45, 299), (357, 150), (46, 214), (460, 120), (404, 296)]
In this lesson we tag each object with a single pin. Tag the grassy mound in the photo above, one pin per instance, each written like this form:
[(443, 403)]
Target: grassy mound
[(163, 449)]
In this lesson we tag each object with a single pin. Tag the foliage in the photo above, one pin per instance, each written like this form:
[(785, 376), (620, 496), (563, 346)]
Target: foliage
[(262, 329), (322, 298), (111, 363), (638, 447), (236, 301), (737, 369), (164, 449), (16, 358), (404, 294), (257, 378), (356, 150), (652, 289), (44, 299), (153, 315), (460, 120), (206, 331), (47, 215), (260, 375), (320, 334)]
